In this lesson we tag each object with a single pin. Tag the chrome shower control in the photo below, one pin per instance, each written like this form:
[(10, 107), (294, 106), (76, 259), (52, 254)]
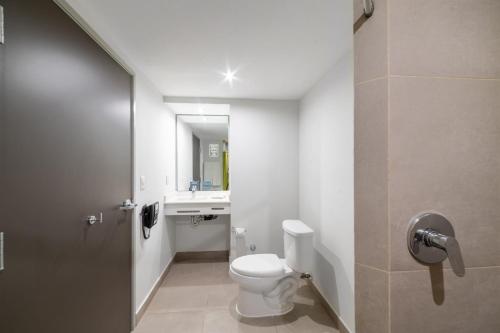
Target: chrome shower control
[(431, 239)]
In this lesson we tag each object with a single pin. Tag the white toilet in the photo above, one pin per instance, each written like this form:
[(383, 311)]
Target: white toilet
[(266, 282)]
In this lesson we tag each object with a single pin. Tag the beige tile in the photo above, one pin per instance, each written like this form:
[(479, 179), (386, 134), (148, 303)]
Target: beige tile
[(176, 322), (445, 156), (370, 178), (191, 274), (372, 303), (222, 295), (226, 321), (445, 38), (179, 298), (486, 295), (221, 273), (306, 318), (448, 304), (305, 295), (370, 44)]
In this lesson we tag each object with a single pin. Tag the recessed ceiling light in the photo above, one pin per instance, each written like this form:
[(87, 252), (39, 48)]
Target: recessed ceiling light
[(230, 76)]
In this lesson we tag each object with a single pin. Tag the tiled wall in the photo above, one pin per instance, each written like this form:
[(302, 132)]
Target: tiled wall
[(427, 137)]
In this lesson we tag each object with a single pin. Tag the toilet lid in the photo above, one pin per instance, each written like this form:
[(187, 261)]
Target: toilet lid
[(258, 265)]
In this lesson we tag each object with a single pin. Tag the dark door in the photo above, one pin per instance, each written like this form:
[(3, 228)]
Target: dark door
[(196, 159), (65, 153)]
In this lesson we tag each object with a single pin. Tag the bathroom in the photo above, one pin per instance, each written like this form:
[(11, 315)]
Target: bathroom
[(243, 166)]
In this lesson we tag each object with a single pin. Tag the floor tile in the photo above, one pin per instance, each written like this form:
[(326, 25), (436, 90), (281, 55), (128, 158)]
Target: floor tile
[(222, 295), (179, 298), (201, 297), (191, 274), (174, 322), (306, 318), (226, 321)]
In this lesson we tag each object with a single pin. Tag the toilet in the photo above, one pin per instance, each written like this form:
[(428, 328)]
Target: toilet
[(268, 283)]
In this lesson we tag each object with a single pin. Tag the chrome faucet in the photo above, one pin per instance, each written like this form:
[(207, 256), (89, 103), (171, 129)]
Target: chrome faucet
[(193, 186)]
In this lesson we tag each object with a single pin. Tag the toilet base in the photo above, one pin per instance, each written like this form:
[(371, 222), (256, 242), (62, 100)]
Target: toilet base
[(281, 313), (255, 305)]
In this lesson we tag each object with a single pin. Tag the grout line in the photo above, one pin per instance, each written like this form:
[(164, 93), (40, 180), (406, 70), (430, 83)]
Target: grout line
[(444, 269), (444, 77), (373, 268), (371, 80), (422, 270)]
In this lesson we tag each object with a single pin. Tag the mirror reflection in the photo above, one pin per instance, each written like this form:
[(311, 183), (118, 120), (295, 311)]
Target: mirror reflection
[(202, 152)]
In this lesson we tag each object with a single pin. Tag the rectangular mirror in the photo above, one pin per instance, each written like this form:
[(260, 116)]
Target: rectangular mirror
[(202, 152)]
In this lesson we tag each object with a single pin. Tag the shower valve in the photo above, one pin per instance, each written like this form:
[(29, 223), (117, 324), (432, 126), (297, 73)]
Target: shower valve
[(431, 239)]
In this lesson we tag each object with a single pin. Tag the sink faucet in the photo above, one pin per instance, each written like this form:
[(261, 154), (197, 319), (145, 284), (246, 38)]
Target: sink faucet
[(193, 186)]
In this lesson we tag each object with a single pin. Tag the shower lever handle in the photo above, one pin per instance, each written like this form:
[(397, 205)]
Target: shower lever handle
[(449, 244)]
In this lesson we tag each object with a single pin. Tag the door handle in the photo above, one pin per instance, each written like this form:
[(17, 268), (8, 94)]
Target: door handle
[(92, 219), (431, 239), (128, 205), (1, 252)]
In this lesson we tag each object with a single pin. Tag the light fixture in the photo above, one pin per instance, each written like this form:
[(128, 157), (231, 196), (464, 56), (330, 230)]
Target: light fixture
[(230, 76)]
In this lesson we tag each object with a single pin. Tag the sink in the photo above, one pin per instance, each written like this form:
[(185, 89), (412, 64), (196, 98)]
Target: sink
[(199, 203)]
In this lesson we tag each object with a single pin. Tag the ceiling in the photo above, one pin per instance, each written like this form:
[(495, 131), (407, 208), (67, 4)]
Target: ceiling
[(199, 108), (279, 48), (208, 126)]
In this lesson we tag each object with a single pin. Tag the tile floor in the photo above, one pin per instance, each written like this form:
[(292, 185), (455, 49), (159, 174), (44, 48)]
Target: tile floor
[(199, 297)]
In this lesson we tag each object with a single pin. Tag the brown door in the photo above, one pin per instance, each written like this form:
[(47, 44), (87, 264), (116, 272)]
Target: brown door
[(65, 153)]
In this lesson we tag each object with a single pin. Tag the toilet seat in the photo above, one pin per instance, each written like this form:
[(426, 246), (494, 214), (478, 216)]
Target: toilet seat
[(259, 265)]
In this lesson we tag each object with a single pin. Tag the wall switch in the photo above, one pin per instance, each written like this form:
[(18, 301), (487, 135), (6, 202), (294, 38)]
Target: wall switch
[(142, 183), (166, 180)]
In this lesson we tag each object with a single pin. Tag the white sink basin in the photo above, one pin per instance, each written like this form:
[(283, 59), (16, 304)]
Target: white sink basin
[(198, 203)]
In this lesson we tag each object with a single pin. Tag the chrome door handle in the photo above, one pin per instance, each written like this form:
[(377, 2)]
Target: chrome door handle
[(431, 239), (128, 205), (92, 219)]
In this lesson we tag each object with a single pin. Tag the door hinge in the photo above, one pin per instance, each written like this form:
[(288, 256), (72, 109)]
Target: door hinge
[(2, 30)]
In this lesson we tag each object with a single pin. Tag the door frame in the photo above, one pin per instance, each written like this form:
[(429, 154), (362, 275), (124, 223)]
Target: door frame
[(78, 19)]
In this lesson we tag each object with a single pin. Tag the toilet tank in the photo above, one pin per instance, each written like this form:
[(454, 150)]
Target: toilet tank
[(298, 239)]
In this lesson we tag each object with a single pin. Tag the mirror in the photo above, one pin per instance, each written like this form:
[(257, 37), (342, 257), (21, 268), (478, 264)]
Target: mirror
[(202, 152)]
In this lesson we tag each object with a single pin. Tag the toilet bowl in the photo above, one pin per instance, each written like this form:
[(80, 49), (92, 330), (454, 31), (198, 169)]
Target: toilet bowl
[(267, 283)]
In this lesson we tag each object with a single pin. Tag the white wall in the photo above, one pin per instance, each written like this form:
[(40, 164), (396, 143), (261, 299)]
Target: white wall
[(326, 190), (208, 236), (154, 159), (184, 155), (263, 158), (263, 150)]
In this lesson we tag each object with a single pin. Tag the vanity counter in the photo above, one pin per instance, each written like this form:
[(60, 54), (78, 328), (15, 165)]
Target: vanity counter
[(198, 203)]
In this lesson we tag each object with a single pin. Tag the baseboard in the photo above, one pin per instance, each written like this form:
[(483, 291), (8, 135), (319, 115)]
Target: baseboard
[(142, 309), (329, 308), (201, 256)]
